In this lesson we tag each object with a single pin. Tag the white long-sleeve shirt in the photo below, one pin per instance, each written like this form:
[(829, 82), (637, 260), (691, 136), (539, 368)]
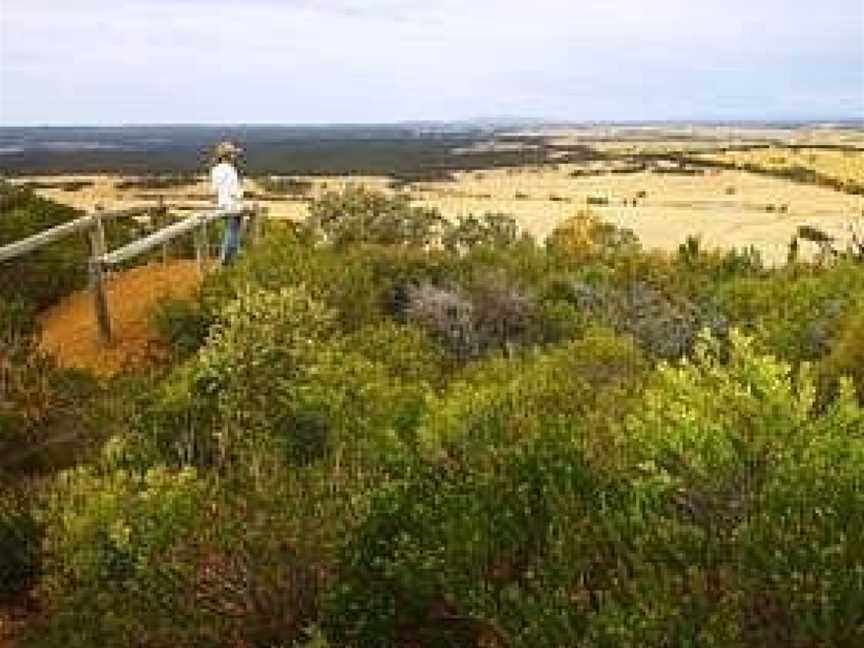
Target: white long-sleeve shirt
[(225, 183)]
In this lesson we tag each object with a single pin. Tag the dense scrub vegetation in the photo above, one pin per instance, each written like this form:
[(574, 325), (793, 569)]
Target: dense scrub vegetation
[(381, 429), (49, 273), (407, 152)]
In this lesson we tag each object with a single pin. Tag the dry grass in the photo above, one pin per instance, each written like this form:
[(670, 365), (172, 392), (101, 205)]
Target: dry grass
[(673, 206), (664, 138), (104, 192), (841, 165)]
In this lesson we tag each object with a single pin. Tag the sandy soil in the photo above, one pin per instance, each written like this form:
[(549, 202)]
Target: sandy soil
[(69, 328)]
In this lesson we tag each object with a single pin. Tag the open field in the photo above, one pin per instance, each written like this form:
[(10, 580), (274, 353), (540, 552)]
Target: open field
[(844, 165), (726, 208), (671, 208), (698, 137), (656, 180)]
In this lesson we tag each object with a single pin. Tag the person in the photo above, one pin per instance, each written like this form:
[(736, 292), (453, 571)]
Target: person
[(225, 184)]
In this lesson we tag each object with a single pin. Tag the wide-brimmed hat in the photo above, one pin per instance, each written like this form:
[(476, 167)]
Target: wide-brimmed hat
[(227, 149)]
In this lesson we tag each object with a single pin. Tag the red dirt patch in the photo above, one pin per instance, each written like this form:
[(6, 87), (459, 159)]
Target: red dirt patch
[(69, 329)]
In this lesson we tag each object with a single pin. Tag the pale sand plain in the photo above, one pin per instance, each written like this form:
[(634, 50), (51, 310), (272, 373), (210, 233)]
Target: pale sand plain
[(661, 138), (727, 209)]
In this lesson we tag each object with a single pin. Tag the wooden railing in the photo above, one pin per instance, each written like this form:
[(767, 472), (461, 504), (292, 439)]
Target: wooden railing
[(32, 243), (101, 259)]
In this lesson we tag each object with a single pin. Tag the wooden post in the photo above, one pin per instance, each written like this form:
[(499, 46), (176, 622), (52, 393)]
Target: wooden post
[(252, 225), (162, 221), (97, 276), (200, 235), (205, 242), (97, 233), (257, 224)]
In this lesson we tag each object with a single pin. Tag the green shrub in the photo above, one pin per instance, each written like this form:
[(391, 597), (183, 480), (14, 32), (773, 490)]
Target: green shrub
[(171, 557), (561, 321), (523, 263), (477, 543), (408, 354), (44, 276), (343, 282), (20, 555), (533, 533), (496, 401), (116, 570), (358, 214), (45, 412), (846, 355), (700, 270), (454, 557), (355, 409), (263, 573), (261, 343), (801, 578), (226, 401), (394, 271), (585, 237), (663, 323), (18, 326), (685, 432), (714, 452), (181, 325), (491, 229), (174, 422), (794, 315), (274, 384)]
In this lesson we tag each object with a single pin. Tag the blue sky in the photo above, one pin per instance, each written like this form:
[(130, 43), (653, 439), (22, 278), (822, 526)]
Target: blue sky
[(325, 61)]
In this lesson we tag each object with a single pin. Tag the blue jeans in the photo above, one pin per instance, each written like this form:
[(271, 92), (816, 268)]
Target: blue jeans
[(231, 240)]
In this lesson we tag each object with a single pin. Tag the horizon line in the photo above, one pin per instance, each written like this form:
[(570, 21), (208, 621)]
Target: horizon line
[(472, 121)]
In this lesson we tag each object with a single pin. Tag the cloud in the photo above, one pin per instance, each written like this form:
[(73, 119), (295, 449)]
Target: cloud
[(97, 61)]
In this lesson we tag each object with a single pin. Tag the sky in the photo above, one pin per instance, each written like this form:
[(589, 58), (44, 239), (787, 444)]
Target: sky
[(105, 62)]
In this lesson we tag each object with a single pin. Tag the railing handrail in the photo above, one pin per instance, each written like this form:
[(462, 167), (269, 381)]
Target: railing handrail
[(100, 259), (46, 237), (147, 243)]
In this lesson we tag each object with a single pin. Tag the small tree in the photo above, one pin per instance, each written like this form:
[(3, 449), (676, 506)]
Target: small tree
[(493, 229), (361, 215)]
